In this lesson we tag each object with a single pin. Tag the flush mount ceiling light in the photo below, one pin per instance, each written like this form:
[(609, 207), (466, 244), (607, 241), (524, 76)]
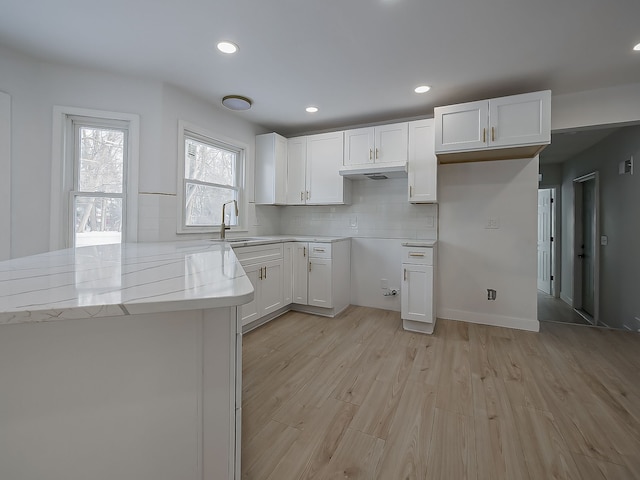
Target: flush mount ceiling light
[(311, 109), (422, 89), (236, 102), (227, 47), (637, 48)]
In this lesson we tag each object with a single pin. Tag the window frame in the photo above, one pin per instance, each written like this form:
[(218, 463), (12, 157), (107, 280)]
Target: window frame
[(63, 171), (189, 130)]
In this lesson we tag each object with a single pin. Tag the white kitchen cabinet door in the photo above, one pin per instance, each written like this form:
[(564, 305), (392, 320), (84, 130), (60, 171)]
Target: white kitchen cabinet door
[(423, 163), (320, 294), (289, 251), (391, 143), (271, 287), (296, 170), (250, 312), (358, 146), (520, 119), (461, 127), (300, 272), (271, 169), (417, 294), (324, 159)]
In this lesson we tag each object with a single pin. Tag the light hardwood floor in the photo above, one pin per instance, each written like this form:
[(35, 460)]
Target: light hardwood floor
[(551, 309), (358, 397)]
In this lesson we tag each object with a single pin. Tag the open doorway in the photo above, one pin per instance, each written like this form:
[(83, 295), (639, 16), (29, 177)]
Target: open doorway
[(586, 265)]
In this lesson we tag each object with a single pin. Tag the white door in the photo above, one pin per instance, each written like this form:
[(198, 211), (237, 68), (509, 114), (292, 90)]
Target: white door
[(251, 311), (271, 287), (391, 143), (324, 159), (461, 127), (358, 146), (520, 119), (5, 178), (320, 282), (300, 273), (423, 164), (296, 170), (287, 272), (417, 293), (544, 240)]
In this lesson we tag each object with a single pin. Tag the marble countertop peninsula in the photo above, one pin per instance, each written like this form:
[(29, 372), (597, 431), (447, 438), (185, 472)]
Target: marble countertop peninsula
[(116, 280)]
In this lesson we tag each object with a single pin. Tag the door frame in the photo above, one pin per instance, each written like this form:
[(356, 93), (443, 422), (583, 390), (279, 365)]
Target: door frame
[(577, 245)]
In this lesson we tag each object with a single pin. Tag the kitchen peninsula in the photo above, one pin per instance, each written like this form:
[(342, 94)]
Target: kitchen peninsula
[(121, 361)]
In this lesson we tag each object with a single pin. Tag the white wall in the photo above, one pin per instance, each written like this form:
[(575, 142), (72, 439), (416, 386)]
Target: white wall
[(619, 221), (596, 107), (472, 258), (382, 217), (37, 86)]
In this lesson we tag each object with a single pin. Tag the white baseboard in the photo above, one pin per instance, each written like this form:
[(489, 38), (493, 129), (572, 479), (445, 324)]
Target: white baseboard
[(565, 299), (530, 324)]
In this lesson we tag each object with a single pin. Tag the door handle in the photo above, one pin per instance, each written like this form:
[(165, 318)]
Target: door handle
[(582, 255)]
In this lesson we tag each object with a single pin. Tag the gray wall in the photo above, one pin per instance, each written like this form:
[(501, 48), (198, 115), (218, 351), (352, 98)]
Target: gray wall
[(619, 221)]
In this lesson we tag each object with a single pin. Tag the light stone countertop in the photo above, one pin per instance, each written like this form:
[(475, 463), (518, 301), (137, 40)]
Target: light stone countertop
[(116, 280)]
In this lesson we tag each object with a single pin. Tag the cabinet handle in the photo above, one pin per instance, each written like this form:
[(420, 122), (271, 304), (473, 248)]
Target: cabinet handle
[(309, 265), (265, 273), (414, 254), (410, 191), (304, 251), (370, 154), (301, 196), (307, 194), (260, 277), (484, 135), (376, 153), (315, 249), (405, 274), (493, 134)]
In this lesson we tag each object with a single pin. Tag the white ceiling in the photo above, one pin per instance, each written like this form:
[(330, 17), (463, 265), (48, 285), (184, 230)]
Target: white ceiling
[(358, 60)]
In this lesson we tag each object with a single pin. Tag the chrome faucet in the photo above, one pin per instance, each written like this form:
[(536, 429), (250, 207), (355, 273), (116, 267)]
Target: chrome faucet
[(223, 227)]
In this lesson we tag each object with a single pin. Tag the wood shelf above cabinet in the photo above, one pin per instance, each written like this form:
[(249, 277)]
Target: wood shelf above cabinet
[(511, 153)]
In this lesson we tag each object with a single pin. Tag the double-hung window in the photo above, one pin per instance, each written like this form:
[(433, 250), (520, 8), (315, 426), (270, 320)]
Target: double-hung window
[(212, 175), (98, 199), (94, 177)]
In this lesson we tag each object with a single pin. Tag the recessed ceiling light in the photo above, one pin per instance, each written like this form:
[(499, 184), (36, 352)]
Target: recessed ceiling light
[(227, 47), (236, 102), (422, 89), (637, 48), (311, 109)]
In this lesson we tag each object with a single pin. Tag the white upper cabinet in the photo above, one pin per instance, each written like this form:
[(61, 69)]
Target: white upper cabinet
[(518, 126), (423, 164), (271, 169), (381, 144), (296, 171), (324, 159)]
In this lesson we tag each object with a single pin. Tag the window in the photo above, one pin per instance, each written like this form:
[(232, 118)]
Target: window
[(98, 198), (94, 178), (212, 175)]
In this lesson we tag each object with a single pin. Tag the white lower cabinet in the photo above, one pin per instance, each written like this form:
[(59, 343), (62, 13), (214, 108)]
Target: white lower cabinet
[(417, 298), (299, 272), (264, 267), (319, 291)]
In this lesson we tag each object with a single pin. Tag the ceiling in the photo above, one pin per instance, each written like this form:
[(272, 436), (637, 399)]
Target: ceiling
[(566, 145), (357, 60)]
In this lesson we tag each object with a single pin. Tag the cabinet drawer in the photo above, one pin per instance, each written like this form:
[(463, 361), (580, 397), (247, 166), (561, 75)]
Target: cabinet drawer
[(319, 250), (258, 253), (417, 255)]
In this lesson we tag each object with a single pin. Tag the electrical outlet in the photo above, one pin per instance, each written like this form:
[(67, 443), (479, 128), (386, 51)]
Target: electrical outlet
[(491, 294), (429, 221), (493, 223), (384, 284)]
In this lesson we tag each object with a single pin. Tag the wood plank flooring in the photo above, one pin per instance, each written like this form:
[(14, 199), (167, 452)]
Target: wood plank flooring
[(356, 397)]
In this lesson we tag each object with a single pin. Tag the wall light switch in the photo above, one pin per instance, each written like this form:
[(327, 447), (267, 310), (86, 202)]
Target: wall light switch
[(604, 240), (353, 221), (493, 223), (429, 221)]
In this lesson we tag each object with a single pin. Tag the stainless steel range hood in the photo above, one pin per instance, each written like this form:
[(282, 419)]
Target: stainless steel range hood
[(379, 171)]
